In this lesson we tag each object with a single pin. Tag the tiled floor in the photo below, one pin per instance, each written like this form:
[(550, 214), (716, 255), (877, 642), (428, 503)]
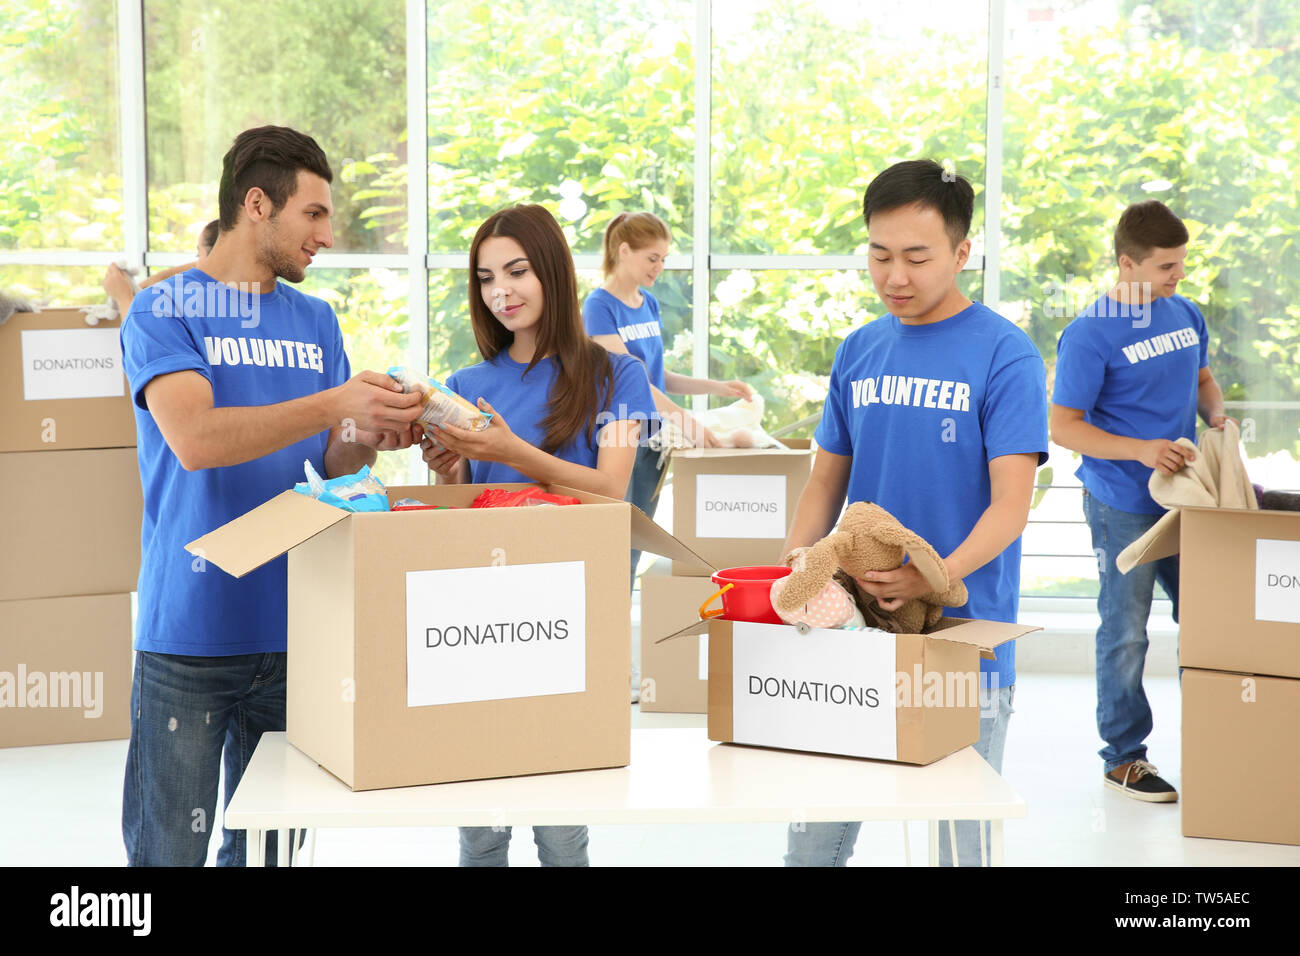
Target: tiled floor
[(62, 806)]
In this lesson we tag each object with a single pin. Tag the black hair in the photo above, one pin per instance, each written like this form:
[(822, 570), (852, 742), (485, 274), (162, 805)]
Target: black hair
[(269, 158), (925, 182), (208, 237)]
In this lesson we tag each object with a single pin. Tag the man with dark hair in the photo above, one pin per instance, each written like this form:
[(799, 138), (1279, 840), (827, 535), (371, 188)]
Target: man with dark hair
[(937, 412), (1132, 371), (237, 379)]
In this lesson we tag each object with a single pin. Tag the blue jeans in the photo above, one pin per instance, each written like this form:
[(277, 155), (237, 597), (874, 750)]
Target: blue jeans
[(556, 846), (643, 490), (831, 844), (1124, 604), (184, 711)]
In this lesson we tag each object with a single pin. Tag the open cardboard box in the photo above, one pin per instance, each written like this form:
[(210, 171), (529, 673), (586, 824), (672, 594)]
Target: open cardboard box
[(432, 646), (1238, 588), (733, 506), (910, 698), (62, 385)]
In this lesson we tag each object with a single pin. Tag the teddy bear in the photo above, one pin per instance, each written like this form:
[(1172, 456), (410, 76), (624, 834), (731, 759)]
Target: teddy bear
[(867, 539)]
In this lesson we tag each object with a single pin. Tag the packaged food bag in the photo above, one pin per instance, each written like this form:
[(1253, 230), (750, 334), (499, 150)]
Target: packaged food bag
[(442, 406)]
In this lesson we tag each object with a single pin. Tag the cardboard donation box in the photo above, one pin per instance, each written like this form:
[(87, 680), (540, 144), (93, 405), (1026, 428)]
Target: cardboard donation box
[(72, 524), (1241, 761), (674, 673), (65, 670), (1239, 591), (733, 506), (432, 646), (910, 698), (62, 384)]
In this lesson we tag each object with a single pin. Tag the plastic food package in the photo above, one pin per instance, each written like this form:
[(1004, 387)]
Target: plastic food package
[(500, 498), (359, 492), (442, 406)]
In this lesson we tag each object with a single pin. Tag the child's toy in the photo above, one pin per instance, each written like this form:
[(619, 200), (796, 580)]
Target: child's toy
[(745, 594), (359, 492), (833, 606), (9, 304), (867, 539), (442, 406)]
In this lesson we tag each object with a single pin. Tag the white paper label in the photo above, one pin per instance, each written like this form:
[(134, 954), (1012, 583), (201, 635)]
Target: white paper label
[(495, 633), (1277, 580), (72, 363), (740, 506), (704, 657), (829, 691)]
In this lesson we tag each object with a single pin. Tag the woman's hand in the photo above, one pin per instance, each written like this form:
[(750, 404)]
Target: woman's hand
[(494, 443), (734, 389), (442, 460), (696, 433)]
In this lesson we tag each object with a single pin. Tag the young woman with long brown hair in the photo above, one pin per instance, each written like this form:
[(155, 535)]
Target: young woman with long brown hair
[(574, 413)]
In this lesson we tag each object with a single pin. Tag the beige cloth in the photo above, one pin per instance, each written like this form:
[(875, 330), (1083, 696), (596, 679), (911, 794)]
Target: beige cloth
[(1215, 479)]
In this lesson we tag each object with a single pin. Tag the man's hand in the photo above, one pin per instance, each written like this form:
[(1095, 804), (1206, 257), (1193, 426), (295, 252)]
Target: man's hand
[(1218, 421), (375, 403), (892, 588), (1165, 456), (388, 440)]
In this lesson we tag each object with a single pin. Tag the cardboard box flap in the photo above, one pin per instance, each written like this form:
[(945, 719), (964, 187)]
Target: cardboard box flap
[(265, 533), (1160, 541), (695, 627), (648, 536), (985, 635)]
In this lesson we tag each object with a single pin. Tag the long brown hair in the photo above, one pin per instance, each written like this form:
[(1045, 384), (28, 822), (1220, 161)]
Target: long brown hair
[(584, 378)]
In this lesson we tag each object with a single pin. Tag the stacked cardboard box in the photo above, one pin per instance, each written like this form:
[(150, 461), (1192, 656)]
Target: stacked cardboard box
[(1239, 645), (732, 507), (70, 523)]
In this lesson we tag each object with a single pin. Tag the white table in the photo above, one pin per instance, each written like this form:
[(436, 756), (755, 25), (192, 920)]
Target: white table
[(676, 776)]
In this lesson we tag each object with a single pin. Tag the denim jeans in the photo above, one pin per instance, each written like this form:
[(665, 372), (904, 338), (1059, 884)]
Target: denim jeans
[(556, 846), (643, 491), (831, 844), (184, 711), (1124, 604)]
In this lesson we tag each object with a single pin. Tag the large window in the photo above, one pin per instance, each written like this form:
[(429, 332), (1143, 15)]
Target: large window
[(60, 168), (752, 128), (1197, 105)]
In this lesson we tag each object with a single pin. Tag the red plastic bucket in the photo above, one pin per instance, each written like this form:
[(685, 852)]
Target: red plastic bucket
[(746, 594)]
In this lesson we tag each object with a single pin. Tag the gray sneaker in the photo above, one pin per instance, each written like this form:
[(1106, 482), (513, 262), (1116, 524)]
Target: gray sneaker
[(1142, 783)]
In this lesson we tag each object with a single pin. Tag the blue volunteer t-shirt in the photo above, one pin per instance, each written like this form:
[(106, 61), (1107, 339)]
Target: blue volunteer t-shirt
[(522, 401), (922, 409), (254, 349), (1133, 370), (640, 329)]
